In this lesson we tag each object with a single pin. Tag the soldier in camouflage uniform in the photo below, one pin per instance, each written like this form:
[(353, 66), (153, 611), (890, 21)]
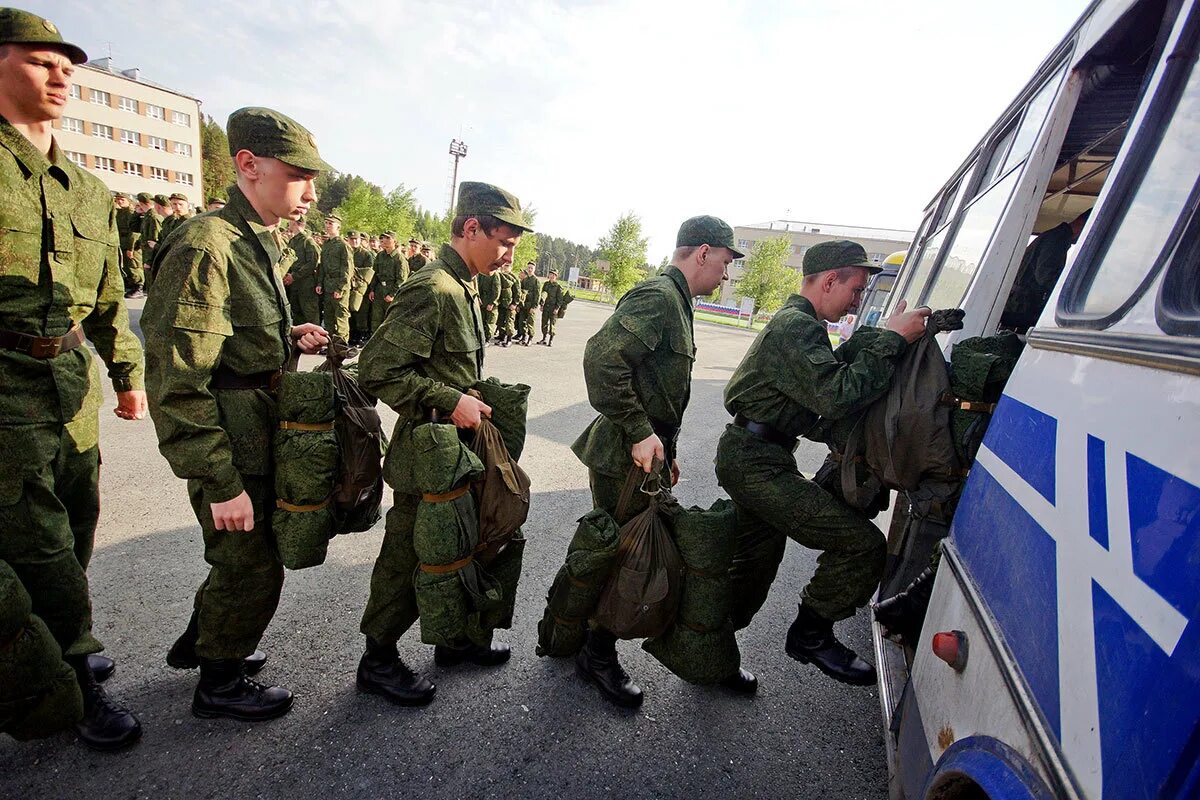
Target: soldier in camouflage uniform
[(789, 379), (638, 370), (125, 219), (134, 253), (360, 285), (391, 270), (60, 281), (151, 234), (219, 335), (424, 357), (552, 301), (510, 299), (178, 214), (531, 295), (337, 265), (489, 302), (214, 204), (305, 274), (418, 258)]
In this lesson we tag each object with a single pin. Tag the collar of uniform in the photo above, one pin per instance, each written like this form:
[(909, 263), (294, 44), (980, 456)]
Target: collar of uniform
[(34, 162), (681, 283), (450, 257), (238, 207), (801, 303)]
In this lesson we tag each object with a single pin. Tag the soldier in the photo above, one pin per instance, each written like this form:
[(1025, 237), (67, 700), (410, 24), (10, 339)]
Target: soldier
[(391, 270), (638, 370), (133, 247), (364, 273), (418, 259), (423, 359), (305, 275), (130, 272), (60, 281), (179, 212), (789, 378), (411, 249), (214, 204), (489, 301), (552, 301), (151, 233), (510, 298), (531, 295), (219, 336), (337, 265), (1043, 261)]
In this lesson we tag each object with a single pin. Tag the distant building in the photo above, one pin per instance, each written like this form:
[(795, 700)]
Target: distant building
[(878, 242), (134, 135)]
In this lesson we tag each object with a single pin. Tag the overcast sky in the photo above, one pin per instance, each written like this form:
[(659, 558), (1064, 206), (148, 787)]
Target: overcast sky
[(852, 112)]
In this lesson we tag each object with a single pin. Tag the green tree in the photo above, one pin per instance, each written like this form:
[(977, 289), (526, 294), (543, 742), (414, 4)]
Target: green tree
[(624, 248), (767, 279), (216, 166), (527, 248), (432, 227)]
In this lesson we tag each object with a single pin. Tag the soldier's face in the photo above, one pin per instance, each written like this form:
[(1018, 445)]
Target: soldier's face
[(280, 190), (179, 206), (331, 228), (34, 83), (713, 265), (489, 253), (844, 296), (121, 202), (215, 206), (388, 244)]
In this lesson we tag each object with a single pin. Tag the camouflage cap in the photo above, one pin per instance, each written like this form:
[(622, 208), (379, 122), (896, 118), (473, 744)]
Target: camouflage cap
[(711, 231), (212, 200), (162, 200), (21, 27), (144, 197), (835, 255), (270, 134), (475, 199), (388, 235), (178, 196), (413, 240), (332, 216), (126, 195), (552, 271)]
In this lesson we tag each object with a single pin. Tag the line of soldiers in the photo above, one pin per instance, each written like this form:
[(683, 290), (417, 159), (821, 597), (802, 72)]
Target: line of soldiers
[(219, 331), (510, 304), (142, 223)]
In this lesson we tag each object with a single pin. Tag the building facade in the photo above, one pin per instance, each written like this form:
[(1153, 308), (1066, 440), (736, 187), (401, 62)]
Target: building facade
[(134, 135), (878, 242)]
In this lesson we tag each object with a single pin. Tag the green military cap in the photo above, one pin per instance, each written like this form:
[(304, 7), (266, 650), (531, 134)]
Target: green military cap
[(212, 200), (552, 272), (835, 255), (122, 194), (178, 196), (162, 200), (707, 230), (413, 240), (144, 197), (388, 234), (475, 199), (21, 27), (333, 215), (270, 134)]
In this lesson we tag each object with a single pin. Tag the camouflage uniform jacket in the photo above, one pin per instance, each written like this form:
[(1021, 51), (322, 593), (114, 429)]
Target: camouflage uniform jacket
[(337, 264), (510, 289), (638, 371), (552, 296), (391, 270), (126, 219), (489, 289), (791, 376), (364, 273), (531, 292), (416, 262), (305, 270), (218, 302), (59, 268), (426, 353), (152, 226)]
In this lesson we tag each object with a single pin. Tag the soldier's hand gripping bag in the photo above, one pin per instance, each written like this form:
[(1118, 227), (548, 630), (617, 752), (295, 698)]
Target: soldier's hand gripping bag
[(577, 586), (501, 494), (642, 596), (360, 435), (307, 459)]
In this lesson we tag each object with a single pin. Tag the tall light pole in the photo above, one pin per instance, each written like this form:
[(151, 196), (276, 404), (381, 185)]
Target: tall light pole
[(458, 149)]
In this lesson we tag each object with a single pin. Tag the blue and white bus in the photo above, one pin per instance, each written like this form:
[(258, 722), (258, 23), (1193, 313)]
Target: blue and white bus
[(1060, 653)]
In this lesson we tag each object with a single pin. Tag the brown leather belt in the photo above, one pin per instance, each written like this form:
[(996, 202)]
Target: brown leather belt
[(41, 346), (224, 378)]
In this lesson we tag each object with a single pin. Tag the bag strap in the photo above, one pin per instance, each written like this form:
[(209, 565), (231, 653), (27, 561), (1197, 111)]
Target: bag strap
[(638, 476)]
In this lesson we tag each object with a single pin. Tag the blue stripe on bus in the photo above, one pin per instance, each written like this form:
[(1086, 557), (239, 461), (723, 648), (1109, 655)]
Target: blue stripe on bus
[(1097, 486), (1026, 440), (1164, 519), (1012, 559)]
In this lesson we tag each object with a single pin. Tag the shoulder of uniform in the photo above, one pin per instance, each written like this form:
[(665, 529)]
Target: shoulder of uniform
[(211, 232), (88, 187)]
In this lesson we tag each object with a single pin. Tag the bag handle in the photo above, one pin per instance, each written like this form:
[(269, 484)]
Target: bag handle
[(636, 475)]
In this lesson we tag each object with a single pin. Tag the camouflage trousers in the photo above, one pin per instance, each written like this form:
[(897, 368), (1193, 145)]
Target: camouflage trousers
[(507, 323), (131, 270), (379, 309), (392, 605), (778, 502), (525, 326), (305, 303), (360, 320), (49, 505), (489, 323), (337, 316), (236, 601), (549, 322)]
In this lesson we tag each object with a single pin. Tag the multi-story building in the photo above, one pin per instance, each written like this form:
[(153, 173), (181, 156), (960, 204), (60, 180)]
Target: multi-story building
[(134, 135), (878, 242)]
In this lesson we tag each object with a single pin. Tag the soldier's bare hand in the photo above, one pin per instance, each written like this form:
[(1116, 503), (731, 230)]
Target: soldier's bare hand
[(371, 296), (234, 515), (310, 337), (646, 451), (386, 299), (909, 324), (675, 472), (337, 295), (131, 405), (468, 411), (288, 279), (318, 290)]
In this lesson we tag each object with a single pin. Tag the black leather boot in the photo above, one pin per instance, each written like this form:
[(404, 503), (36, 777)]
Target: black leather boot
[(597, 662), (551, 342), (903, 614), (810, 640), (182, 654), (381, 671), (102, 667), (225, 691), (105, 725), (742, 682), (492, 655), (543, 340)]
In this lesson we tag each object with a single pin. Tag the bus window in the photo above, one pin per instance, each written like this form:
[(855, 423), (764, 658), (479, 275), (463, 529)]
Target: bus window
[(996, 160), (924, 266), (1179, 300), (1035, 115)]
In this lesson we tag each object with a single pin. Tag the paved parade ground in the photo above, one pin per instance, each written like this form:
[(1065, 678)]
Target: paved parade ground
[(526, 729)]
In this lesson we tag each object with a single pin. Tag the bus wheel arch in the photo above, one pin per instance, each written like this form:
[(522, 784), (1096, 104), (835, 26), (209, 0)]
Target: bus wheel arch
[(983, 768)]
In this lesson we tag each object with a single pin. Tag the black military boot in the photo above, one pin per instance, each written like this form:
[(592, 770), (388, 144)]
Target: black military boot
[(102, 667), (105, 725), (810, 640), (381, 671), (903, 614), (597, 662), (225, 691), (182, 654), (492, 655), (551, 342), (742, 682), (543, 339)]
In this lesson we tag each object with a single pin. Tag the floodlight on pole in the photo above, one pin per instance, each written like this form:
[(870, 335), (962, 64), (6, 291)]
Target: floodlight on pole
[(458, 149)]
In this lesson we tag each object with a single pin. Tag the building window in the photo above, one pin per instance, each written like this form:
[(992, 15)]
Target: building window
[(745, 243), (100, 98), (105, 164), (154, 112), (133, 169), (156, 143), (180, 118), (183, 177), (102, 131), (182, 149), (130, 137), (158, 174), (72, 125), (75, 92), (127, 104), (78, 159)]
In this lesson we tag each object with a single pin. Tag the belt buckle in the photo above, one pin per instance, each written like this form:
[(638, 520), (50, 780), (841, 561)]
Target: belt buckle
[(48, 347)]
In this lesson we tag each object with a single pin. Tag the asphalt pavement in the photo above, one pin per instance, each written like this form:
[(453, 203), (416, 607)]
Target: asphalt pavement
[(529, 729)]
